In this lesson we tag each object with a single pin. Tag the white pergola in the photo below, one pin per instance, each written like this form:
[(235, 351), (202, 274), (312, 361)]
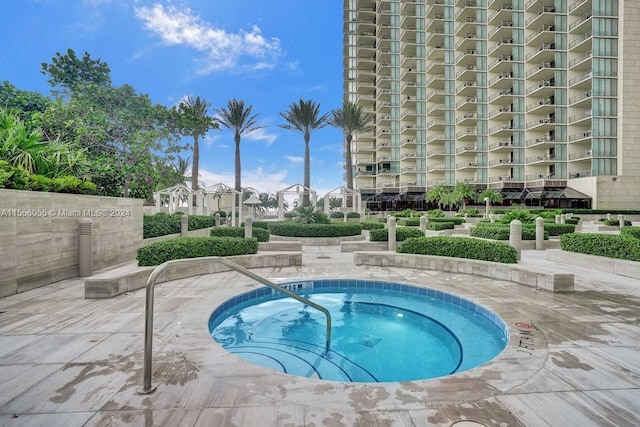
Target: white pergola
[(225, 198), (295, 189), (344, 194), (179, 198)]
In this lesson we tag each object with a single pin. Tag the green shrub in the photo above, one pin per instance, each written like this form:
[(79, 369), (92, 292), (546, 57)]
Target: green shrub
[(160, 224), (402, 233), (407, 213), (522, 215), (499, 231), (616, 223), (460, 247), (633, 232), (371, 225), (260, 234), (197, 222), (409, 222), (607, 245), (440, 225), (223, 214), (336, 214), (453, 219), (194, 247), (258, 224), (435, 213), (559, 229), (353, 215), (297, 229), (573, 220), (472, 213)]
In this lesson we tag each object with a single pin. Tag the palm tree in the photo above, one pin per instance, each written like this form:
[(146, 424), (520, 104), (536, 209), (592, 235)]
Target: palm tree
[(437, 193), (181, 169), (464, 192), (351, 119), (195, 122), (237, 118), (305, 117), (491, 195)]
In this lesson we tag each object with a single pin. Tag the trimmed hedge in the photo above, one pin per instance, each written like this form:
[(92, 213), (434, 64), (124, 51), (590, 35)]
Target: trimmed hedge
[(499, 231), (371, 225), (456, 220), (258, 224), (161, 224), (460, 247), (440, 225), (298, 229), (559, 229), (615, 222), (353, 214), (336, 214), (409, 222), (402, 233), (260, 234), (194, 247), (633, 232), (606, 245)]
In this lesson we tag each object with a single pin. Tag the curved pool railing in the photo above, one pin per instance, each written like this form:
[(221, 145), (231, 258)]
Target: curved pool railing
[(147, 387)]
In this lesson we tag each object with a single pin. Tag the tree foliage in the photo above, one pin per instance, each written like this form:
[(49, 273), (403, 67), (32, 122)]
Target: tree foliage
[(305, 117)]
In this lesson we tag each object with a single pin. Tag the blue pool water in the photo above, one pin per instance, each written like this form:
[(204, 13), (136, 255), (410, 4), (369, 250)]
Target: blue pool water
[(381, 331)]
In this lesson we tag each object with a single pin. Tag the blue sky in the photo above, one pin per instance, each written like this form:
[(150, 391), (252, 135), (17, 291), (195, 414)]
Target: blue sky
[(267, 53)]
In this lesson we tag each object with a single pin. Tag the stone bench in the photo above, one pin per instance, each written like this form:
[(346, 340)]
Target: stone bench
[(130, 277), (619, 267), (510, 272), (318, 241)]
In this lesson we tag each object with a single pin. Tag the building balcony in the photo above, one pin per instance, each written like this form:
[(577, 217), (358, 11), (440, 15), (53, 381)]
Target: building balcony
[(544, 88), (409, 170), (581, 136), (543, 53), (469, 41), (466, 149), (582, 24), (503, 93), (582, 100), (582, 62), (466, 89), (365, 148), (503, 80), (582, 155), (467, 72), (502, 113), (504, 13), (435, 153), (437, 138), (544, 16), (436, 167), (466, 165), (408, 142), (466, 119), (435, 96), (543, 34), (408, 155), (582, 43), (580, 118), (436, 81), (503, 30), (502, 64), (580, 174), (542, 124), (501, 129), (501, 146), (436, 124), (544, 106), (544, 71), (467, 134), (580, 7), (467, 103), (542, 158), (540, 141), (501, 162), (501, 47)]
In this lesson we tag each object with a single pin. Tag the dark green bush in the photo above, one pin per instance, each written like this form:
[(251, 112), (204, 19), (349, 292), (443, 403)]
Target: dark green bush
[(573, 220), (616, 223), (402, 233), (472, 213), (633, 232), (298, 229), (460, 247), (258, 224), (195, 247), (371, 225), (409, 222), (15, 178), (499, 231), (559, 229), (336, 214), (440, 225), (607, 245), (161, 224), (453, 219), (197, 222), (223, 214), (260, 234), (435, 213), (353, 214)]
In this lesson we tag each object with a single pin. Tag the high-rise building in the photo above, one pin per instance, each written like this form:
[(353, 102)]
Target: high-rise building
[(537, 99)]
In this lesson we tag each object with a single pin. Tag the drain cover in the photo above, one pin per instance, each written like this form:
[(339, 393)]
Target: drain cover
[(467, 423)]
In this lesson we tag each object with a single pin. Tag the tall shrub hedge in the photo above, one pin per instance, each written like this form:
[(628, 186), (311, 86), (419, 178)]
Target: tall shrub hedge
[(460, 247), (618, 246), (260, 234), (161, 224), (402, 233), (298, 229), (194, 247)]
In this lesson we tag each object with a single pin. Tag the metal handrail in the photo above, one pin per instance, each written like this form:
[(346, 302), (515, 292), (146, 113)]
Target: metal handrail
[(155, 274)]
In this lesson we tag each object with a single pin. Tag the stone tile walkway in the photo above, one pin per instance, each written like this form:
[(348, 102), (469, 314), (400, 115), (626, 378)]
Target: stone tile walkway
[(67, 361)]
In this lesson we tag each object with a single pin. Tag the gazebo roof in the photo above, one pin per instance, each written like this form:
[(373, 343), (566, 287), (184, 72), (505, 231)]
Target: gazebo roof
[(220, 188), (176, 189)]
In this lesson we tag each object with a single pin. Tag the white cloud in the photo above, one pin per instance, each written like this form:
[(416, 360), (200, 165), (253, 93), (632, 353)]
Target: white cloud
[(259, 179), (262, 135), (241, 51), (295, 159)]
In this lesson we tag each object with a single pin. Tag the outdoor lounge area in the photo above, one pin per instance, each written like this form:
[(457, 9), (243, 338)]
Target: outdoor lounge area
[(67, 361)]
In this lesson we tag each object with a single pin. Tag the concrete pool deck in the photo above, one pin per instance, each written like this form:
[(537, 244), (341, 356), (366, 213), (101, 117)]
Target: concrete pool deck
[(573, 359)]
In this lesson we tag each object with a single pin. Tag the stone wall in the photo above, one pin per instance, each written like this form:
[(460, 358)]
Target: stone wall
[(39, 235)]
